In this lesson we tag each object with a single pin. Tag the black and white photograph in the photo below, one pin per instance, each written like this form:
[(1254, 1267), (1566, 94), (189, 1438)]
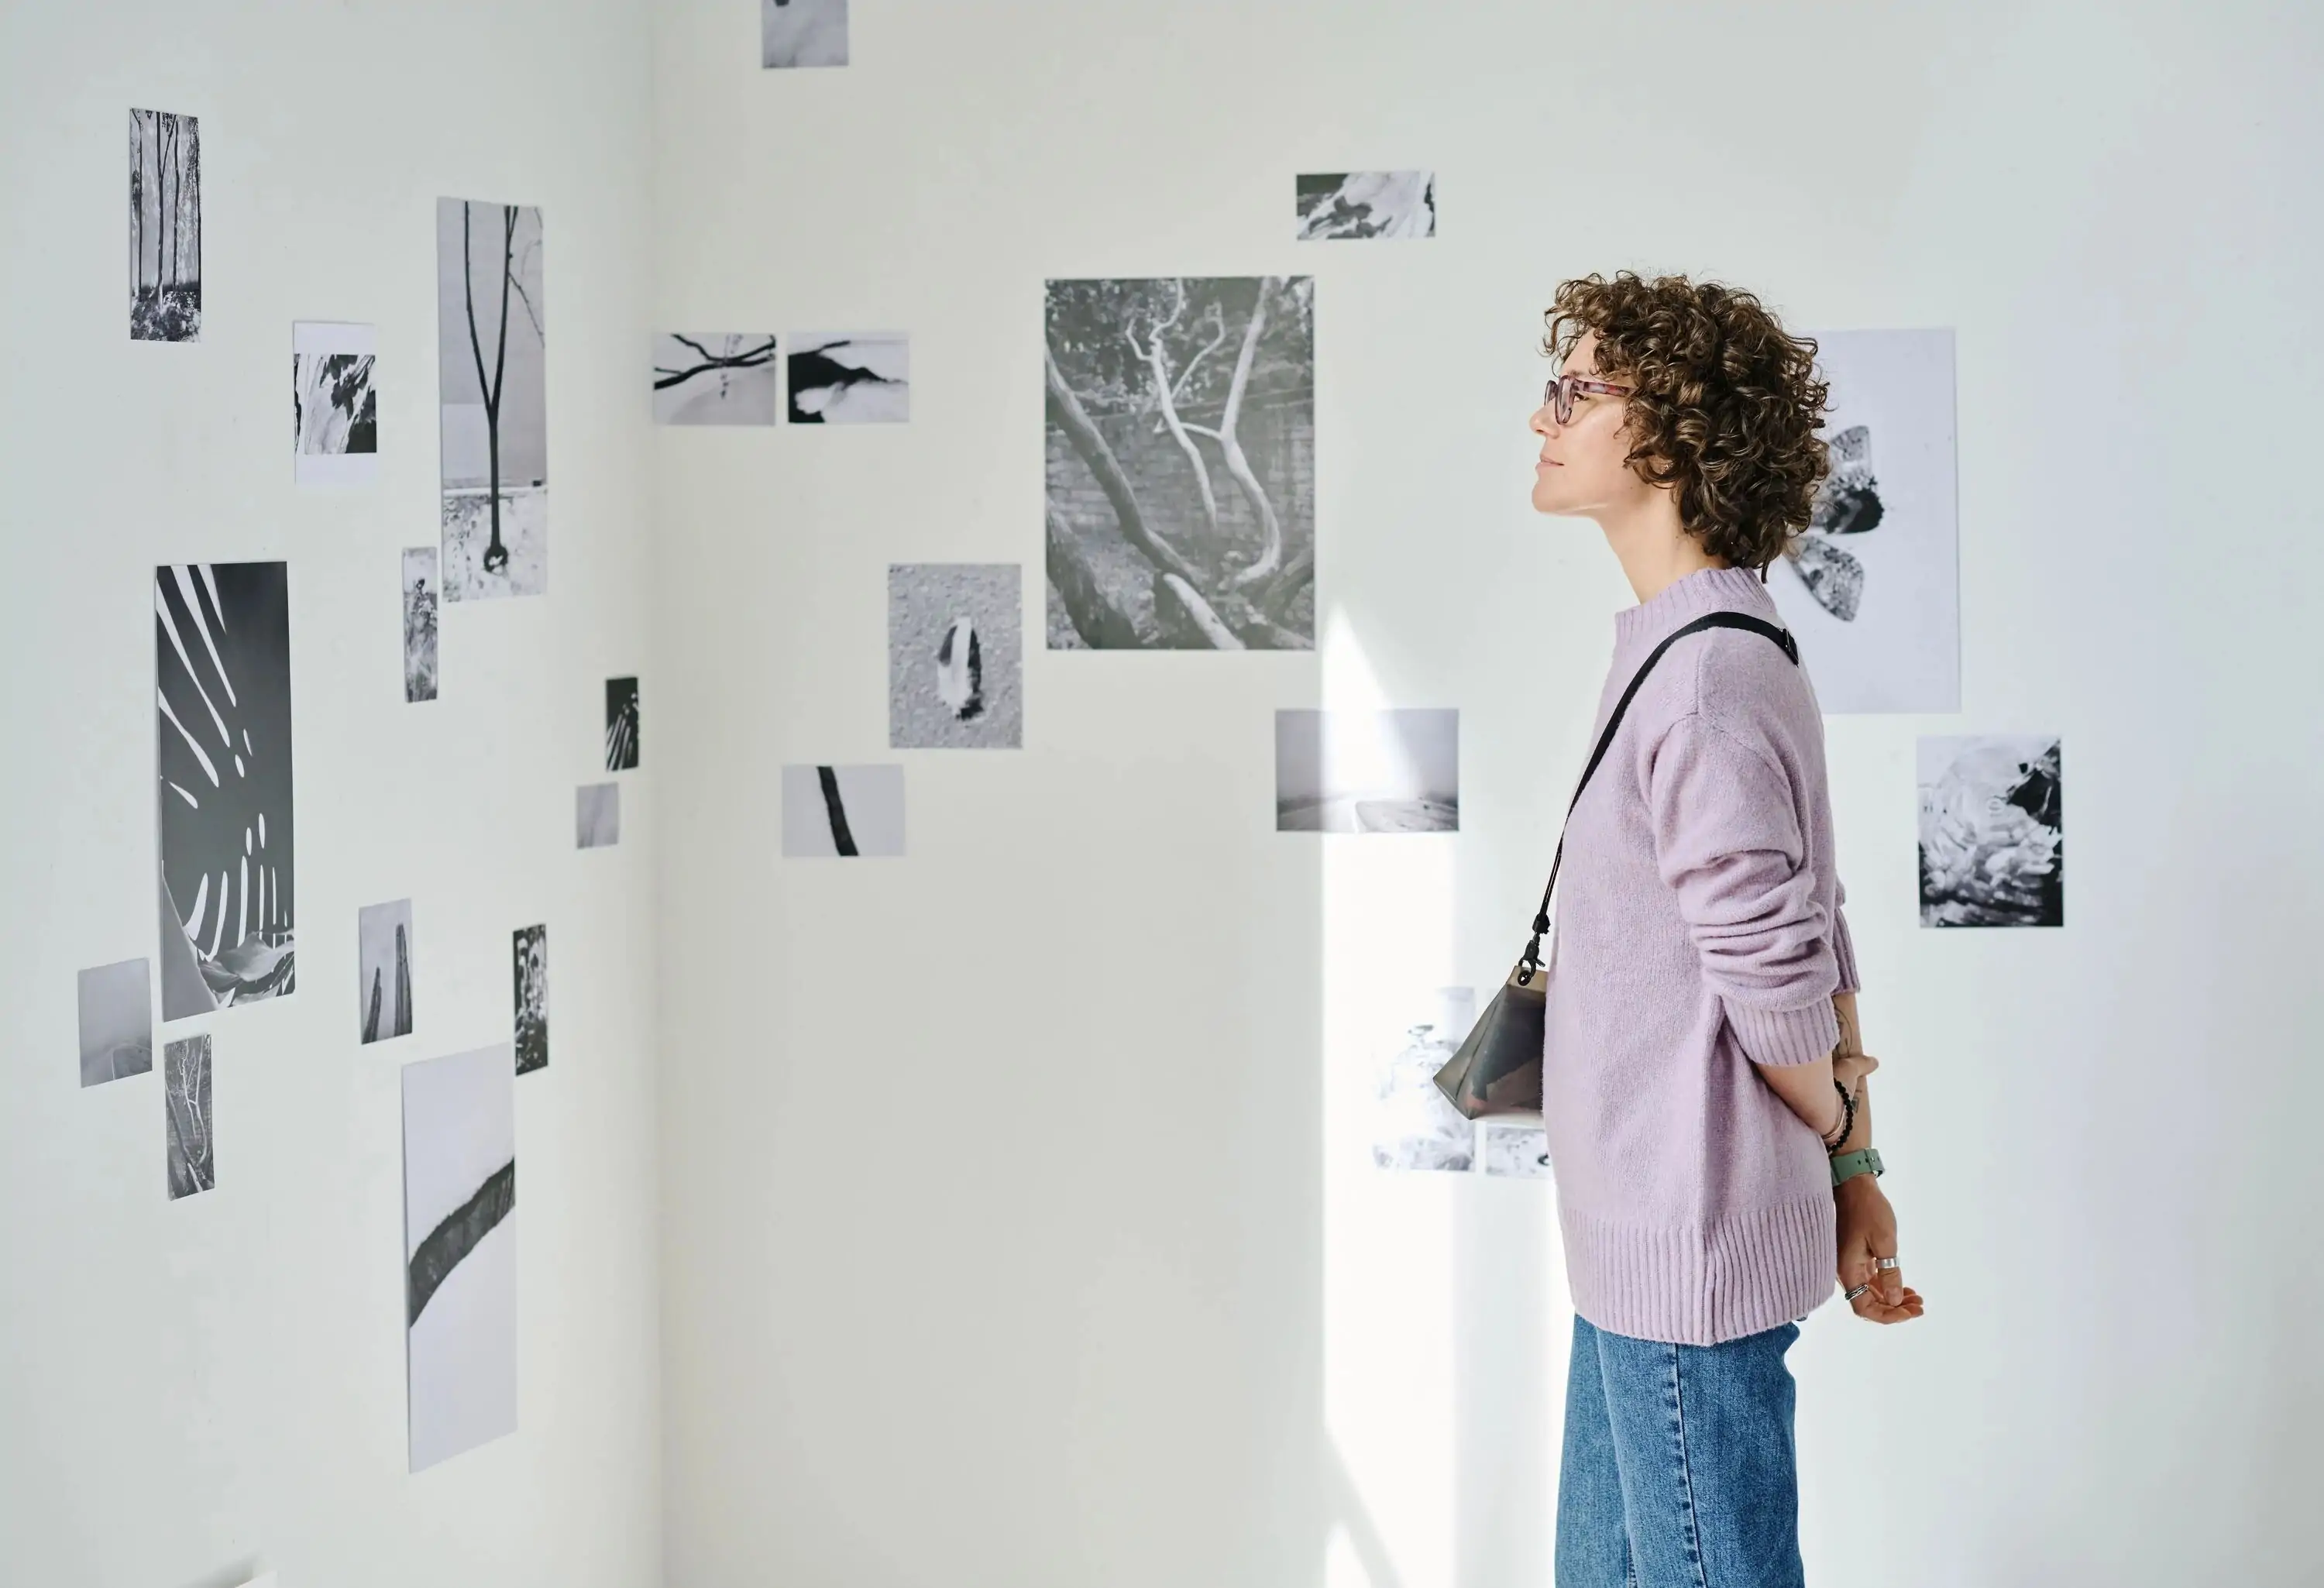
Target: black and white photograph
[(383, 961), (1515, 1147), (420, 584), (1413, 1126), (713, 378), (1367, 772), (222, 688), (459, 1243), (1993, 846), (842, 812), (186, 1106), (531, 956), (1180, 464), (802, 32), (1872, 586), (491, 372), (596, 815), (956, 656), (1361, 204), (165, 228), (620, 725), (849, 378), (116, 1021), (333, 403)]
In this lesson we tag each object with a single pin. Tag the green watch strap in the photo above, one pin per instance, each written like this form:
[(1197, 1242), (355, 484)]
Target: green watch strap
[(1864, 1161)]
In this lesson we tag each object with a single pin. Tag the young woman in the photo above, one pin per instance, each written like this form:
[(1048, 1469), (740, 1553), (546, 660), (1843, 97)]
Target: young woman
[(1703, 1080)]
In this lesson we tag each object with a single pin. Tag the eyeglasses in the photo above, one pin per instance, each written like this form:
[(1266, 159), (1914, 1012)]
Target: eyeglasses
[(1558, 395)]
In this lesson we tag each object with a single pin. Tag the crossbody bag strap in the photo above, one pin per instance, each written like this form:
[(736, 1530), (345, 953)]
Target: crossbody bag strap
[(1530, 961)]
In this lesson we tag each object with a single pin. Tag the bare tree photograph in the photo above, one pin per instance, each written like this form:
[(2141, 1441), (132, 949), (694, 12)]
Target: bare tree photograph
[(186, 1103), (850, 378), (222, 697), (116, 1021), (956, 656), (491, 364), (620, 725), (802, 32), (419, 613), (165, 228), (843, 812), (384, 967), (596, 815), (1367, 203), (531, 955), (713, 378), (1367, 772), (1180, 500), (333, 403), (1993, 844)]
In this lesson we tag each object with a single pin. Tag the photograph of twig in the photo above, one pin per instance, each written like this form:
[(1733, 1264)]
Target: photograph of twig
[(849, 378), (165, 228), (333, 403), (713, 378), (491, 364), (116, 1021), (1180, 500), (843, 812), (1367, 203)]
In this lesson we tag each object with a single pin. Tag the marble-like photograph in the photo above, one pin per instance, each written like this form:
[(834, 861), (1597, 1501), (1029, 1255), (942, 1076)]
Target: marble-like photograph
[(1993, 844), (333, 403), (1413, 1126), (802, 32), (1365, 204)]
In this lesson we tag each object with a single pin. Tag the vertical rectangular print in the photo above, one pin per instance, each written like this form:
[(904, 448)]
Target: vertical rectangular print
[(420, 584), (1515, 1147), (596, 815), (116, 1021), (491, 371), (1367, 203), (531, 998), (165, 228), (333, 403), (222, 686), (383, 961), (1413, 1125), (840, 812), (1993, 842), (620, 725), (956, 656), (802, 32), (1180, 460), (713, 378), (849, 378), (188, 1125), (1367, 772), (1872, 586), (459, 1242)]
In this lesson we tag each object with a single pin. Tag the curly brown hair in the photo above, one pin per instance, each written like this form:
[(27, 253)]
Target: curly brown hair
[(1725, 409)]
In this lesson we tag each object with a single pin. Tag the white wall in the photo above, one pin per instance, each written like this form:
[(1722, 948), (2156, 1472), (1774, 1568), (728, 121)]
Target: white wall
[(192, 1390), (1011, 1230)]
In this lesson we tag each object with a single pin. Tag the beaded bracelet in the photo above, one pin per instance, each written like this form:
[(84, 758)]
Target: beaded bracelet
[(1847, 1121)]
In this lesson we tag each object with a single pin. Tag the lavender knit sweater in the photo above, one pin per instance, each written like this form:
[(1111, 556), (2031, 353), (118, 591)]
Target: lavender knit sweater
[(1698, 932)]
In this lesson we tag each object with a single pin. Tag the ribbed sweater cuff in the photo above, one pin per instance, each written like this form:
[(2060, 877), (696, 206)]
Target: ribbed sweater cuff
[(1785, 1036), (1843, 949)]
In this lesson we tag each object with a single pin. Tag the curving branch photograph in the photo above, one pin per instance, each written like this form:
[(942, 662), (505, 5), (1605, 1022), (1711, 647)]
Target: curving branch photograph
[(713, 378)]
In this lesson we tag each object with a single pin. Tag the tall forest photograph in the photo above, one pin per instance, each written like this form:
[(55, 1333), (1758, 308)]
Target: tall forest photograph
[(165, 228)]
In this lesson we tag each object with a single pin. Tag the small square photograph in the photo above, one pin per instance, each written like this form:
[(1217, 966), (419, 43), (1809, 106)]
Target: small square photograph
[(1993, 846), (165, 228), (420, 611), (620, 725), (531, 998), (333, 403), (1513, 1147), (1367, 772), (383, 961), (850, 378), (459, 1242), (956, 656), (596, 815), (1413, 1125), (841, 812), (116, 1021), (186, 1095), (1367, 203), (802, 32), (713, 378)]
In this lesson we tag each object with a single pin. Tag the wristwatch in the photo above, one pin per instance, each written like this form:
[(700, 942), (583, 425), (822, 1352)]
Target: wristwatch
[(1848, 1165)]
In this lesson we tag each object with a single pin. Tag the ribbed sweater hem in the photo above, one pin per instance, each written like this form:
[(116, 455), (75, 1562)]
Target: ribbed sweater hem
[(1785, 1036), (1700, 1284)]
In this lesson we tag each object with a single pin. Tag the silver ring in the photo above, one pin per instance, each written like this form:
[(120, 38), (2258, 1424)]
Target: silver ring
[(1887, 1263), (1853, 1292)]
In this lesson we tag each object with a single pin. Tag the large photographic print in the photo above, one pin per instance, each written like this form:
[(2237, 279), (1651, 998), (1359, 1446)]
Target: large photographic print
[(1181, 463), (165, 228), (491, 371), (1993, 846), (459, 1238), (222, 683)]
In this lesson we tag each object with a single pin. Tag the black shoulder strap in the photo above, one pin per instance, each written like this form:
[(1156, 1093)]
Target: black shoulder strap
[(1530, 961)]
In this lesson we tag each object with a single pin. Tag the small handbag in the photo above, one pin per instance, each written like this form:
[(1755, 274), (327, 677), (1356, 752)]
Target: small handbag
[(1498, 1069)]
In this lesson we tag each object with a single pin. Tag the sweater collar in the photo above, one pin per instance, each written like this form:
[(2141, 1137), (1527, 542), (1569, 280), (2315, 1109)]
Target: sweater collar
[(1712, 589)]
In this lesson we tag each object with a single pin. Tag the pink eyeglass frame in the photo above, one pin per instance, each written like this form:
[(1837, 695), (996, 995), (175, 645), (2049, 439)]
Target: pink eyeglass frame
[(1558, 395)]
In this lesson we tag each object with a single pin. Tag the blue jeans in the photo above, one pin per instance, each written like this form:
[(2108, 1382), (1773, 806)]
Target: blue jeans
[(1679, 1468)]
